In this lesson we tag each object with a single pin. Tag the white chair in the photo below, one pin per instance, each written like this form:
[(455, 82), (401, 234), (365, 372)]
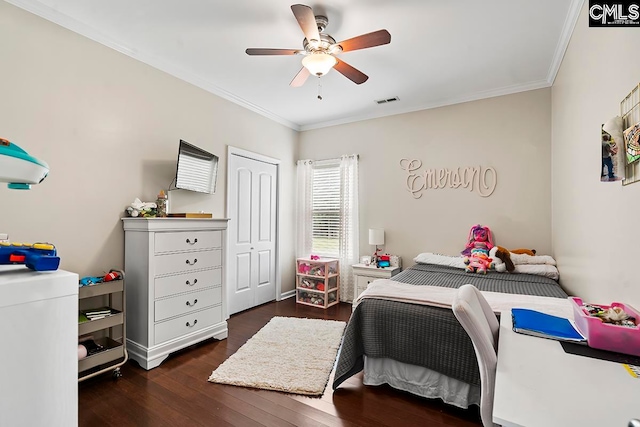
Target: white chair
[(476, 317)]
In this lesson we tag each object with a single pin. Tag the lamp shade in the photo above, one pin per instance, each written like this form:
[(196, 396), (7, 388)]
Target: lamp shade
[(319, 64), (376, 236)]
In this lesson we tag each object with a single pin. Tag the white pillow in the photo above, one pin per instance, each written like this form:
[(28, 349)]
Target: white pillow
[(439, 259)]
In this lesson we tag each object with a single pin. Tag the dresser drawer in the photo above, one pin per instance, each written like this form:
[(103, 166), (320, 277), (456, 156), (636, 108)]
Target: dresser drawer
[(363, 281), (187, 261), (187, 241), (169, 285), (186, 303), (183, 325)]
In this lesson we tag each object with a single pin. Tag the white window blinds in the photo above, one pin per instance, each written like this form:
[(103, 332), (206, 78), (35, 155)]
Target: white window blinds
[(326, 210)]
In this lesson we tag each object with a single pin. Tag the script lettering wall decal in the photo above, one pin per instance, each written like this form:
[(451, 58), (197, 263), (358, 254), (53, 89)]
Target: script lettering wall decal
[(481, 179)]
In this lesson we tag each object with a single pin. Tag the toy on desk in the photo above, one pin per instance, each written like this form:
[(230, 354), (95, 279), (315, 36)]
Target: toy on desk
[(37, 256), (18, 168)]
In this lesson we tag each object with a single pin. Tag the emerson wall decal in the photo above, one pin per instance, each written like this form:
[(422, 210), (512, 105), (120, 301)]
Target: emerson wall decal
[(480, 179)]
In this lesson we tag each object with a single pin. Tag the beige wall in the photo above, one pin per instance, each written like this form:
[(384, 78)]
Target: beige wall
[(109, 127), (510, 133), (595, 239)]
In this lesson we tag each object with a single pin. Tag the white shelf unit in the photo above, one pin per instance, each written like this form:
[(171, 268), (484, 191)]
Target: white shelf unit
[(318, 282), (114, 354)]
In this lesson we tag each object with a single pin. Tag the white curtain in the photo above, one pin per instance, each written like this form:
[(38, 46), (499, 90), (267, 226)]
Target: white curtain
[(304, 208), (349, 236), (349, 226)]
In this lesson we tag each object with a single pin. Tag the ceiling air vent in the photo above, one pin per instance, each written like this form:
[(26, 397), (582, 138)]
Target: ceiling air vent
[(387, 100)]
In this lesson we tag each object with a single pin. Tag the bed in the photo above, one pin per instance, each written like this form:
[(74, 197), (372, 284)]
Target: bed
[(402, 332)]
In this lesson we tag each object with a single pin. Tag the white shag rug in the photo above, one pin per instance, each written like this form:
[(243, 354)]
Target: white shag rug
[(288, 354)]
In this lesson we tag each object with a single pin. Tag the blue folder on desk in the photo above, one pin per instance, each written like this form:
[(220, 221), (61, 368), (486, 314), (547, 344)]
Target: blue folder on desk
[(532, 322)]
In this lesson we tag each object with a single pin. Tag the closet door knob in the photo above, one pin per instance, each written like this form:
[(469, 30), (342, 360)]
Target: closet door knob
[(194, 261)]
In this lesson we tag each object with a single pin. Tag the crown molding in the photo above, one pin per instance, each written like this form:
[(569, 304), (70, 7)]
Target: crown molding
[(85, 30), (507, 90), (565, 37)]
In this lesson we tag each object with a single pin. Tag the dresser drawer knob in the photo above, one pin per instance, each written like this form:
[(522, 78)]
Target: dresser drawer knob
[(192, 304), (191, 325), (192, 243), (192, 263), (191, 284)]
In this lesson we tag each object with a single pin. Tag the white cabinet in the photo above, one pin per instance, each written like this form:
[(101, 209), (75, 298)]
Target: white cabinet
[(39, 356), (365, 274), (175, 292)]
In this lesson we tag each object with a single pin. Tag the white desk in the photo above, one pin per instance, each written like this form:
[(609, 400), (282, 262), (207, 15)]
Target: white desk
[(39, 350), (538, 384)]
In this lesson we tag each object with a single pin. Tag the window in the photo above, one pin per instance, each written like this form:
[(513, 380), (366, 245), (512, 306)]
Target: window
[(326, 210)]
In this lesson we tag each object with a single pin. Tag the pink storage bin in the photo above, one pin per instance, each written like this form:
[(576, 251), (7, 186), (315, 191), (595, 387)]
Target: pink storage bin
[(606, 336)]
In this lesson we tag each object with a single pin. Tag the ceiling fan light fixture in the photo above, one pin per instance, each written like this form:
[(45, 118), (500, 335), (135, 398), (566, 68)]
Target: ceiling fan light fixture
[(319, 63)]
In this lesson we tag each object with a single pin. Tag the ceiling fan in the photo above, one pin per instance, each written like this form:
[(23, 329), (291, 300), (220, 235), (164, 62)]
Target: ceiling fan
[(320, 49)]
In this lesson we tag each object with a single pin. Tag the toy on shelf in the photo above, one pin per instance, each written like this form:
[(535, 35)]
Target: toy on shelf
[(18, 168), (94, 280), (37, 256)]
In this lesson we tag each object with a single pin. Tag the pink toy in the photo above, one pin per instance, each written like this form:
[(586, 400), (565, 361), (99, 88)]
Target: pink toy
[(315, 257), (304, 268), (476, 253)]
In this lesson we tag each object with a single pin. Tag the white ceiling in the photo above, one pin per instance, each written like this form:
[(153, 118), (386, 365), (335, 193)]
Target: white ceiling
[(441, 52)]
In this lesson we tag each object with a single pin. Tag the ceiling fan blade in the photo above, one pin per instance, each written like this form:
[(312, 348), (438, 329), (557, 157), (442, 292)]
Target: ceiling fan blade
[(307, 20), (261, 51), (351, 73), (300, 78), (364, 41)]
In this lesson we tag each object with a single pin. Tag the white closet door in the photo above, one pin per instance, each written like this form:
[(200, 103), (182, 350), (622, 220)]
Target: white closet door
[(252, 233)]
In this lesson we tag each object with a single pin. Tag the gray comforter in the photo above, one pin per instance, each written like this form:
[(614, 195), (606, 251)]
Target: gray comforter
[(422, 335)]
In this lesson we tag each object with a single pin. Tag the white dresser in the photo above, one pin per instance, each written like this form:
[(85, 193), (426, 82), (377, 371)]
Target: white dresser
[(365, 274), (39, 351), (175, 293)]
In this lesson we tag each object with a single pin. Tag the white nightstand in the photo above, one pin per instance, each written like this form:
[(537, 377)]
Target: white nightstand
[(365, 274)]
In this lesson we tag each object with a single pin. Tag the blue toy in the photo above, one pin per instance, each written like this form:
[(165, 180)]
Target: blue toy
[(38, 257), (90, 280)]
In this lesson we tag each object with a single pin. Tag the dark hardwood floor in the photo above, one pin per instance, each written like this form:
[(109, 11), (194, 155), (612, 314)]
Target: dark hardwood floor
[(177, 392)]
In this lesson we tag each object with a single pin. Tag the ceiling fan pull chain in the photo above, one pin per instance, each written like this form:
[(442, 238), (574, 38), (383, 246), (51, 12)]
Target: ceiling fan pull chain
[(319, 89)]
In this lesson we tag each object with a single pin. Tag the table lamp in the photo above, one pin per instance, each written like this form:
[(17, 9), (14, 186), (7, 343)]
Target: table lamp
[(376, 237)]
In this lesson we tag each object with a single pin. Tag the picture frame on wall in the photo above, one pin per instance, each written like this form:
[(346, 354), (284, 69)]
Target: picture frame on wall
[(610, 168), (632, 143)]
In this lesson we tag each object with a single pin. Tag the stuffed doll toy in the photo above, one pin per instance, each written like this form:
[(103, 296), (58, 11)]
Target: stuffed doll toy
[(504, 255), (476, 253)]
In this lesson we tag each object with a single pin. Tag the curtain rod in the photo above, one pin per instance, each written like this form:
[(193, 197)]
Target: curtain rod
[(337, 159)]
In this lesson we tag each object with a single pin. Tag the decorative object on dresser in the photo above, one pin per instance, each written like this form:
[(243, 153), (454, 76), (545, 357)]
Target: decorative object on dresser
[(317, 281), (175, 291), (288, 354), (100, 320), (365, 274)]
